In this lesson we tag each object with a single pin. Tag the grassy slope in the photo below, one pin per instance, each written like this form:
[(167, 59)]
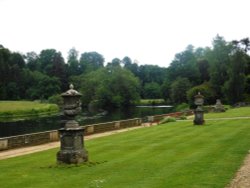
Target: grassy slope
[(234, 112), (151, 101), (173, 155), (13, 109)]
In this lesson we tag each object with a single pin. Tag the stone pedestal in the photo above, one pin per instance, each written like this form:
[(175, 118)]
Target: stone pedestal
[(199, 116), (72, 146), (199, 112), (218, 106), (72, 135)]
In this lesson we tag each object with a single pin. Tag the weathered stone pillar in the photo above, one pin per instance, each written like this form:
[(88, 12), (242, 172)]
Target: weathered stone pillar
[(72, 149), (199, 112), (219, 106)]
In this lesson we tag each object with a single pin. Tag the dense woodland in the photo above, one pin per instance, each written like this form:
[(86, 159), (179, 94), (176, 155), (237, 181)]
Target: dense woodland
[(221, 71)]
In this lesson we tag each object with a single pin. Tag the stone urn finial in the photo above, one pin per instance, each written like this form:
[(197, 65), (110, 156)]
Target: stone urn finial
[(72, 105), (199, 99)]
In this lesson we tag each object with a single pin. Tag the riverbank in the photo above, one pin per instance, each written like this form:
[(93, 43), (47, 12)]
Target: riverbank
[(23, 110)]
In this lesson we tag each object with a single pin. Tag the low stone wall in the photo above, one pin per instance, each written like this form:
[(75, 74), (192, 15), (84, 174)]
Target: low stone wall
[(51, 136), (158, 118), (28, 140), (115, 125)]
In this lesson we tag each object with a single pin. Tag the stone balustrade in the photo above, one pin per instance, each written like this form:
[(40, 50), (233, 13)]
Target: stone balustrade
[(52, 136)]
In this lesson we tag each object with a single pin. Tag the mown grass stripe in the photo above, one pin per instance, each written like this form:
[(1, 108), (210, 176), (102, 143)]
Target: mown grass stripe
[(176, 154)]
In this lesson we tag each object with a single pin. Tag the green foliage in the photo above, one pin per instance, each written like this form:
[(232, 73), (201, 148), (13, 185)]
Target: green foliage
[(178, 90), (90, 61), (42, 86), (184, 65), (247, 84), (203, 66), (219, 58), (225, 66), (182, 107), (114, 87), (56, 99), (152, 90), (151, 73), (32, 61), (165, 90), (53, 65), (133, 67), (167, 120), (235, 86), (73, 63), (182, 117), (206, 90)]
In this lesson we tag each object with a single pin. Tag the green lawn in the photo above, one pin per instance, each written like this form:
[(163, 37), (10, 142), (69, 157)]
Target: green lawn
[(14, 110), (173, 155), (233, 112), (151, 102)]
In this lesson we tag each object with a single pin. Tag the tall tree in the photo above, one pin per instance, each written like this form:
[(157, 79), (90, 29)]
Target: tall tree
[(152, 91), (108, 87), (42, 86), (166, 90), (116, 62), (33, 61), (151, 73), (133, 67), (52, 64), (203, 66), (246, 44), (178, 91), (219, 60), (73, 63), (91, 61), (235, 86), (184, 65), (17, 59), (4, 71)]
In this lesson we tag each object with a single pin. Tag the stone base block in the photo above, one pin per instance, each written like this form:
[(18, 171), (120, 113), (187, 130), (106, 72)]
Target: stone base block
[(72, 157), (199, 122), (72, 146)]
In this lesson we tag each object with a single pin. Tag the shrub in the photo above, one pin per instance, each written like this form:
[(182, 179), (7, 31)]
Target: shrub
[(56, 99), (206, 90), (182, 107), (182, 117), (167, 120)]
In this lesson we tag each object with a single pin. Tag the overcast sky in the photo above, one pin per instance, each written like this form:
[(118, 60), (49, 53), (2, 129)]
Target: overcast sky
[(149, 31)]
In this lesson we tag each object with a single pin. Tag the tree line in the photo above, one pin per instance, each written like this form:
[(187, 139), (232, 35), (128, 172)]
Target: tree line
[(221, 71)]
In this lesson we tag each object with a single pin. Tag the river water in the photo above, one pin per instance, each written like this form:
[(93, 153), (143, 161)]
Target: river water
[(86, 118)]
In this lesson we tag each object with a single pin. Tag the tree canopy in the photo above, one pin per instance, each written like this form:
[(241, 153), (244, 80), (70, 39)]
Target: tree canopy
[(221, 71)]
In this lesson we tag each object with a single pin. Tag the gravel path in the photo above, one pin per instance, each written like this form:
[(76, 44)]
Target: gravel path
[(32, 149), (242, 177)]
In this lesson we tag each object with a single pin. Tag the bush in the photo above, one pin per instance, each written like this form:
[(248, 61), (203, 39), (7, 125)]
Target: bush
[(206, 90), (182, 107), (167, 120), (182, 117), (56, 99)]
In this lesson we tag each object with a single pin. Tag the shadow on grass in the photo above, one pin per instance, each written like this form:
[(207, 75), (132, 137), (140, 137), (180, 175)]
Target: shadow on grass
[(69, 166)]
